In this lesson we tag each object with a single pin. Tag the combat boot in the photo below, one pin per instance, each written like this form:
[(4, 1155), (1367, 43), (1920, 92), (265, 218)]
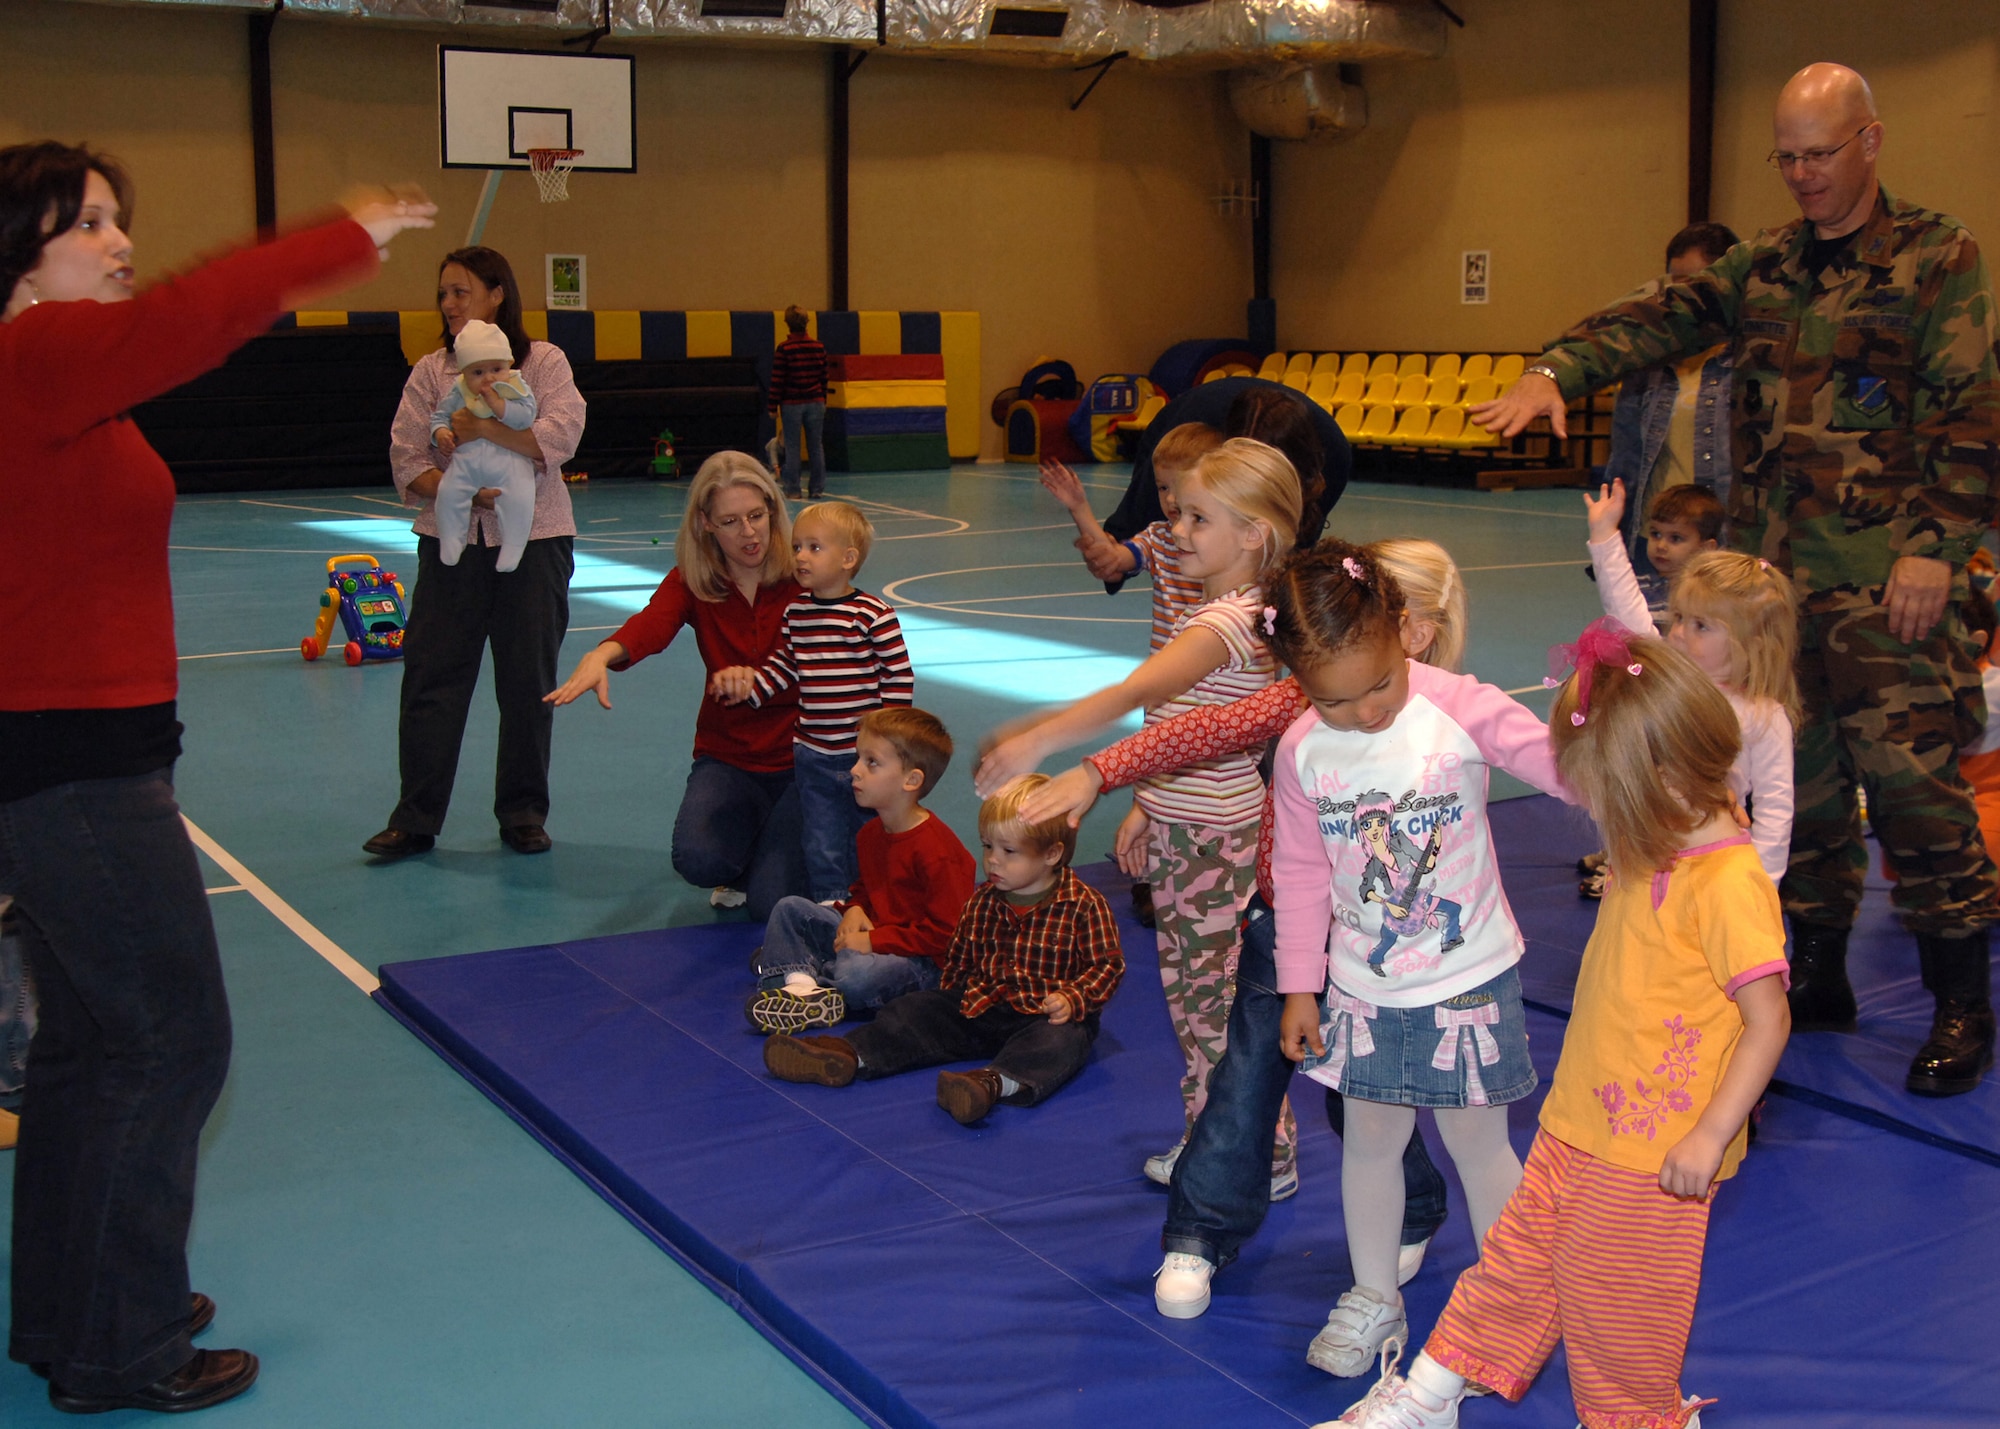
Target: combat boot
[(1958, 972), (1821, 998)]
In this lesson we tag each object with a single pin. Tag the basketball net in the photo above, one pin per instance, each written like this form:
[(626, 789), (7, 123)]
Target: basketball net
[(551, 170)]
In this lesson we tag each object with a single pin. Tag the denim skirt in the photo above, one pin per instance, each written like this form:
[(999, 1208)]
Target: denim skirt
[(1469, 1050)]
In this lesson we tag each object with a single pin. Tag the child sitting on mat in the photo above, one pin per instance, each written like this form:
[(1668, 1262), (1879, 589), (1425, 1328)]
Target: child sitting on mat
[(890, 936), (1680, 1019), (1033, 961), (844, 649), (490, 387)]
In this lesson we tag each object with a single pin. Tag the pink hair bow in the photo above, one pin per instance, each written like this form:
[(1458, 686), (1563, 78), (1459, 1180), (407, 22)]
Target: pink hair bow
[(1603, 642), (1270, 620), (1355, 570)]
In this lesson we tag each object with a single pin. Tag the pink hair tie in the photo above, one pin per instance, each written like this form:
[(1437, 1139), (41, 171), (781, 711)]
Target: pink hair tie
[(1603, 642), (1762, 564), (1270, 620), (1355, 570)]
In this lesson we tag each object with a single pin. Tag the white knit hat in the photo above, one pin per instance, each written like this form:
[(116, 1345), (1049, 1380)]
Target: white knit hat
[(480, 342)]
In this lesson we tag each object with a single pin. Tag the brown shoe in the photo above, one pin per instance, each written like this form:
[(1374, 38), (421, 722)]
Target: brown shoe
[(209, 1378), (968, 1096), (823, 1061)]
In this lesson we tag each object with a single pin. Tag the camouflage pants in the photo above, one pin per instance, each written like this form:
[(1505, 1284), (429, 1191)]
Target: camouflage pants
[(1202, 878), (1889, 717)]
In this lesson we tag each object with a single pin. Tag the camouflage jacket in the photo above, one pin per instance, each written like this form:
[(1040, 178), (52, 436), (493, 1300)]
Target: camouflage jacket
[(1867, 406)]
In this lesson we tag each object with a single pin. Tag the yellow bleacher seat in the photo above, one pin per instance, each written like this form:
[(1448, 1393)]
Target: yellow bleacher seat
[(1447, 428), (1446, 366), (1273, 368), (1217, 375), (1477, 366), (1411, 427), (1297, 381), (1479, 389), (1320, 390), (1349, 419), (1381, 391), (1506, 369), (1327, 364), (1384, 365), (1379, 425), (1300, 366), (1443, 391), (1411, 390), (1355, 365), (1413, 364), (1352, 388), (1239, 369)]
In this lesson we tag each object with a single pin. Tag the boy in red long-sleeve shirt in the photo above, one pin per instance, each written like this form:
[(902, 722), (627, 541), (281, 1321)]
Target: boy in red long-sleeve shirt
[(889, 936)]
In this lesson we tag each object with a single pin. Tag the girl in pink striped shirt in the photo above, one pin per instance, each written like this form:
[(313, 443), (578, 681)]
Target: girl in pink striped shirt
[(1239, 513)]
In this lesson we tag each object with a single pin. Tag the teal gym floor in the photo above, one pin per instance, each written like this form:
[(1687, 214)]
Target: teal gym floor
[(398, 1251)]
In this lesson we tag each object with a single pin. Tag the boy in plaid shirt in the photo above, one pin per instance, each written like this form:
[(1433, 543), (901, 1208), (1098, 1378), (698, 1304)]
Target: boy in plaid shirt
[(1033, 961)]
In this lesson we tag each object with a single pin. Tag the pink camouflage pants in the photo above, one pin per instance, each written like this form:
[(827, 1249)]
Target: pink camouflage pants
[(1202, 877)]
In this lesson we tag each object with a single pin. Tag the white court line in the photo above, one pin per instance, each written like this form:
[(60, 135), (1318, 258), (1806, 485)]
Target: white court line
[(322, 510), (893, 593), (225, 654), (1455, 506), (226, 888), (284, 912)]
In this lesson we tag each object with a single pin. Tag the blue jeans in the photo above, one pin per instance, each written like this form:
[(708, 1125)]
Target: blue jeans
[(799, 939), (740, 828), (1221, 1189), (811, 417), (829, 820), (129, 1056), (17, 1012)]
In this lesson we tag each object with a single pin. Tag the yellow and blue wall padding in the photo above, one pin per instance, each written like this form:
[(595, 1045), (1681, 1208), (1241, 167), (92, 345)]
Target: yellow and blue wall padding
[(951, 338), (886, 413)]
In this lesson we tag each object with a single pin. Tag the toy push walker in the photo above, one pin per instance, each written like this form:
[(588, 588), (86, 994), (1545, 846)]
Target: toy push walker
[(370, 605)]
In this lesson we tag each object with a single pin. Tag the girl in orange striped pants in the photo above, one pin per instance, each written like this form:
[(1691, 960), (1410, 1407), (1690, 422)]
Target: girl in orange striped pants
[(1680, 1017)]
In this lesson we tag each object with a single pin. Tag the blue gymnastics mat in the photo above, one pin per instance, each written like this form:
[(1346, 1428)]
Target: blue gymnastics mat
[(1001, 1276)]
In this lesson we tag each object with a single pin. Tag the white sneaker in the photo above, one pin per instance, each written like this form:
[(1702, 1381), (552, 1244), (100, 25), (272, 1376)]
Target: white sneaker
[(1410, 1259), (1394, 1403), (723, 896), (1286, 1186), (1355, 1333), (1180, 1286), (1161, 1168)]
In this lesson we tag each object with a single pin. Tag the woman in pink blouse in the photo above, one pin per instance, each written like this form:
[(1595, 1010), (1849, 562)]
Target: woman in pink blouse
[(457, 611)]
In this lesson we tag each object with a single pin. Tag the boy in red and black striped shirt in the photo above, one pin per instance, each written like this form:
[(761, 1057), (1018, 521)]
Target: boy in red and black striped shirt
[(798, 399), (1033, 961)]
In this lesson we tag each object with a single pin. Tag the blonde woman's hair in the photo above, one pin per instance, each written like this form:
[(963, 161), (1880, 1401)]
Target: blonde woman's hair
[(845, 520), (1002, 813), (1651, 758), (1432, 590), (1257, 485), (695, 549), (1757, 606)]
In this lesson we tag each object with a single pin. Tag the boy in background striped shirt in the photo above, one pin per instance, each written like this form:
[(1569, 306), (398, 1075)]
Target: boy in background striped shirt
[(798, 400), (844, 650)]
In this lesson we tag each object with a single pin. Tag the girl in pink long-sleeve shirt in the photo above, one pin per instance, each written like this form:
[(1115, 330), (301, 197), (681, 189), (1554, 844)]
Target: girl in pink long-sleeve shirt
[(1386, 882)]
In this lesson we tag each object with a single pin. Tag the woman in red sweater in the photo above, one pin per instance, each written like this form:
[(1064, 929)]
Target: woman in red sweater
[(133, 1042), (738, 827)]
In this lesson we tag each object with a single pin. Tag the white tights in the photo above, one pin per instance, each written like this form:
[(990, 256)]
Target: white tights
[(1371, 1178)]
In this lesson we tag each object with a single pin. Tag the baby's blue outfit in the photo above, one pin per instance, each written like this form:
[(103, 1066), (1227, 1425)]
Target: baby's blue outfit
[(480, 463)]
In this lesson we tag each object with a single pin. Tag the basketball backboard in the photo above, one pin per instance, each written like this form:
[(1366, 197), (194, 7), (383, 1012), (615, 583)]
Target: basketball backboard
[(495, 105)]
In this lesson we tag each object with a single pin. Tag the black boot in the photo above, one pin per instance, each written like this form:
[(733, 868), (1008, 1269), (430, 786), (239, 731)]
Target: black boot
[(1958, 972), (1821, 998)]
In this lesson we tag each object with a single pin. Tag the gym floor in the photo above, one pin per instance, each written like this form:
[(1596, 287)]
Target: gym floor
[(396, 1249)]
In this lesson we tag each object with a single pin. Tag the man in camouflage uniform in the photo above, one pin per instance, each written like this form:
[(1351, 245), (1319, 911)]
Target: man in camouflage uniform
[(1865, 427)]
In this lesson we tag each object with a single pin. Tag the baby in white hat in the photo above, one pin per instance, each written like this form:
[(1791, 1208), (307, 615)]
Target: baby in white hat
[(487, 384)]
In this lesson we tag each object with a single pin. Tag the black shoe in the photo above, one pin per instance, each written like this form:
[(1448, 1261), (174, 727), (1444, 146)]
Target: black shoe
[(201, 1314), (818, 493), (793, 493), (1142, 903), (526, 838), (394, 843), (1821, 998), (1958, 1055), (209, 1378)]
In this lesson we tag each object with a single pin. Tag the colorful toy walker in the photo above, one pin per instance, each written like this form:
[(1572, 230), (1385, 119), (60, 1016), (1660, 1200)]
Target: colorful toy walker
[(666, 466), (370, 605)]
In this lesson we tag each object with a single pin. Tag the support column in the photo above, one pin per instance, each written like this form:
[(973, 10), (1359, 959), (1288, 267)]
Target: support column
[(263, 159), (1263, 314), (839, 82), (1701, 107)]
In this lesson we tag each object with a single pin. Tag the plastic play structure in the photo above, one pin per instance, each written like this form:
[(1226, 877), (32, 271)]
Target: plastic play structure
[(370, 605), (666, 466), (1036, 414)]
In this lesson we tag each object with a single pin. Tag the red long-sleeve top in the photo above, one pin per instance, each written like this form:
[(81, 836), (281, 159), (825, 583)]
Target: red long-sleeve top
[(913, 887), (730, 631), (86, 600)]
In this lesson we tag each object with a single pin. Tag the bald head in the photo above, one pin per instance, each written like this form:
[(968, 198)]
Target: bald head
[(1826, 122)]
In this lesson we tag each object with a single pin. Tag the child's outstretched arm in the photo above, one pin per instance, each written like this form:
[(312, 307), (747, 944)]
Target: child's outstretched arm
[(1691, 1164), (1107, 559), (1768, 747), (1617, 586), (1185, 660), (1509, 735)]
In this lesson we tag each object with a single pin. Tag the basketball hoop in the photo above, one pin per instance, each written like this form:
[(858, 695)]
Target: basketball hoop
[(551, 170)]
